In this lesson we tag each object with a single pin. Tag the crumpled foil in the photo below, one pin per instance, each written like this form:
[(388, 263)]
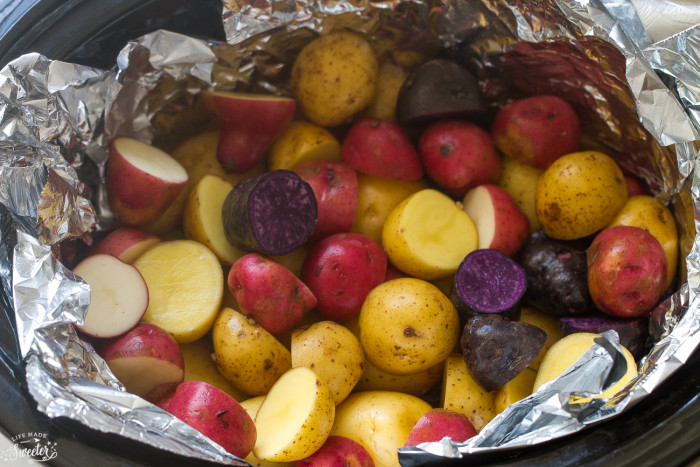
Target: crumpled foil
[(639, 98)]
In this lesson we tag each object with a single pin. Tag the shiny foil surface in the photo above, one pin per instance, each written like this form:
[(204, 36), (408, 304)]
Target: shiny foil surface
[(637, 92)]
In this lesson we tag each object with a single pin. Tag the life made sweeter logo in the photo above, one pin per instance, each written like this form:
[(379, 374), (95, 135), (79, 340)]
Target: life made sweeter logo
[(29, 447)]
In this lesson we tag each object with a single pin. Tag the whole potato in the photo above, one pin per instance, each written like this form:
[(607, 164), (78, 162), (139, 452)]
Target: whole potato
[(334, 77), (579, 194), (407, 325), (650, 214), (333, 352), (380, 421), (246, 354)]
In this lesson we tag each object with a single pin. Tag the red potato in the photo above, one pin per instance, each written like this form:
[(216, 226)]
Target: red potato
[(269, 292), (141, 181), (335, 187), (438, 423), (118, 295), (500, 224), (458, 155), (634, 186), (125, 243), (338, 451), (340, 270), (216, 415), (147, 360), (249, 124), (627, 270), (392, 272), (537, 130), (381, 148)]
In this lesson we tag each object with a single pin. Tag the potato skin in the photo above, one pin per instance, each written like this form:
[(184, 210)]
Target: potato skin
[(247, 355), (579, 194), (334, 77), (407, 325), (333, 352), (626, 271)]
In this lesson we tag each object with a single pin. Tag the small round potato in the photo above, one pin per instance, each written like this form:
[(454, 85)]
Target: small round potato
[(333, 352), (579, 194), (650, 214), (246, 354), (334, 77), (407, 325), (380, 421)]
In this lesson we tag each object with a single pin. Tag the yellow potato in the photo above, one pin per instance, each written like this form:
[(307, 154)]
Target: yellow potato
[(428, 235), (407, 325), (296, 417), (185, 287), (462, 394), (334, 77), (200, 366), (548, 324), (332, 352), (246, 354), (198, 156), (300, 142), (374, 379), (389, 81), (376, 198), (515, 390), (520, 181), (202, 219), (650, 214), (251, 407), (579, 194), (416, 384), (570, 348), (380, 421)]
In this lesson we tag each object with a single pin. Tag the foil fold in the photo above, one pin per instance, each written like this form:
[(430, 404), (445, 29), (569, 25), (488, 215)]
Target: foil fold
[(641, 97)]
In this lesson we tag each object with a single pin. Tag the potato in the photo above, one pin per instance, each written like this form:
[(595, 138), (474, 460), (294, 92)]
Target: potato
[(520, 181), (407, 325), (579, 194), (428, 235), (567, 350), (460, 393), (332, 352), (301, 142), (374, 379), (416, 384), (515, 390), (200, 366), (296, 417), (246, 354), (376, 198), (626, 271), (251, 406), (185, 285), (334, 77), (548, 324), (389, 80), (650, 214), (380, 421), (202, 220)]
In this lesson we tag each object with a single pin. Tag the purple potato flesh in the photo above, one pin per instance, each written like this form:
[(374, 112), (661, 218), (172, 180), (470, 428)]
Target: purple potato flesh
[(273, 214)]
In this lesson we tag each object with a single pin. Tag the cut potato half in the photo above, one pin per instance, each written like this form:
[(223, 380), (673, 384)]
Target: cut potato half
[(295, 418), (186, 286)]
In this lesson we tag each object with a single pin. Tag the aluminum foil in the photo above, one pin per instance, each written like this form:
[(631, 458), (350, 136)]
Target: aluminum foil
[(639, 98)]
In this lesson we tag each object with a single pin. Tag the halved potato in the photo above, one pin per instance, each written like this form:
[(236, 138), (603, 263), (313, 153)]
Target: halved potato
[(296, 417)]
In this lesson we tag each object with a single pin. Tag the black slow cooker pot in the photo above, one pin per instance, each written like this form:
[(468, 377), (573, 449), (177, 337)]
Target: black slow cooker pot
[(664, 429)]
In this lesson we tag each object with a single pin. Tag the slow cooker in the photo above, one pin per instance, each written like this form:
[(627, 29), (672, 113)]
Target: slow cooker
[(664, 429)]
